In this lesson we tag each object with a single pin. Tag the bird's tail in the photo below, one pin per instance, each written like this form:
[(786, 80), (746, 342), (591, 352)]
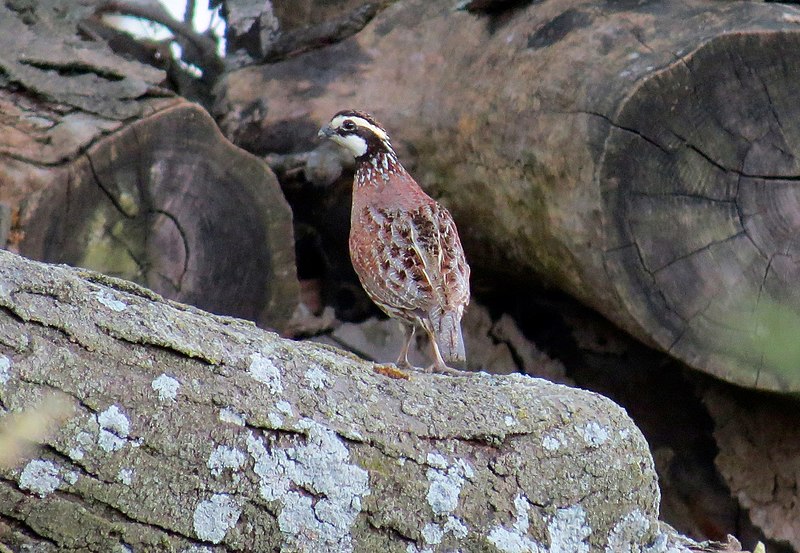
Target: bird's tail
[(447, 330)]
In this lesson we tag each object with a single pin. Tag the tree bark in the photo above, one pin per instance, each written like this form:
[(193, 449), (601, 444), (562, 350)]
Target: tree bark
[(189, 429), (759, 448), (642, 156), (103, 168)]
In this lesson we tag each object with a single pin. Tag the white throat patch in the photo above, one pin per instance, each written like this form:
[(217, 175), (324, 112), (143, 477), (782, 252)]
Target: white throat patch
[(355, 144)]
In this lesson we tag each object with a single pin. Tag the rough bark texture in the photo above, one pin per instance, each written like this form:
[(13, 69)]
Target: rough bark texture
[(641, 155), (101, 168), (759, 457), (192, 429)]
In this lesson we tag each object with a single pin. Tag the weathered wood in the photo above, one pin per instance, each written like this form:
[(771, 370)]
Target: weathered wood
[(104, 169), (759, 449), (269, 31), (169, 203), (641, 155), (297, 41), (192, 429)]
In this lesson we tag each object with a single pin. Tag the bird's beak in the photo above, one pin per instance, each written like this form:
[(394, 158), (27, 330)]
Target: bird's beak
[(325, 132)]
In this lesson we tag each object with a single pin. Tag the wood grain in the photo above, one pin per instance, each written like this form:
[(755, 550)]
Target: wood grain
[(641, 156)]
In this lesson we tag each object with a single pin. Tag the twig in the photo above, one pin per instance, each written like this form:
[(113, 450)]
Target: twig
[(188, 12), (205, 49)]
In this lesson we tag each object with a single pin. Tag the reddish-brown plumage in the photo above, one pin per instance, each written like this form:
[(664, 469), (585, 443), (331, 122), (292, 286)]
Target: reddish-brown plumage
[(404, 245)]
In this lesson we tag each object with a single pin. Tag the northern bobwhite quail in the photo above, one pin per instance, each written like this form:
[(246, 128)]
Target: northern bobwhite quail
[(403, 244)]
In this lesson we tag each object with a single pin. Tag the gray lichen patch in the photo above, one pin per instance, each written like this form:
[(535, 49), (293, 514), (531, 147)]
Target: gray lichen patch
[(227, 414), (316, 377), (125, 476), (631, 533), (593, 434), (553, 441), (5, 370), (224, 457), (105, 298), (40, 477), (318, 489), (114, 429), (263, 369), (434, 533), (166, 386), (213, 517), (445, 482), (567, 532), (82, 441)]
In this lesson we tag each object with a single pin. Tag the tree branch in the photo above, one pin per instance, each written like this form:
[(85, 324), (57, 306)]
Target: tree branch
[(188, 13), (199, 49)]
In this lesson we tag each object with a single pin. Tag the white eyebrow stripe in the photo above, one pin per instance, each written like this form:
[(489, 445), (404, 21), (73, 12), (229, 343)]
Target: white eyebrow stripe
[(337, 121)]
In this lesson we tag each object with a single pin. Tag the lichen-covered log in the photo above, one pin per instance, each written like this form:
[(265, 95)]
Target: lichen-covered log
[(103, 168), (188, 429), (641, 155)]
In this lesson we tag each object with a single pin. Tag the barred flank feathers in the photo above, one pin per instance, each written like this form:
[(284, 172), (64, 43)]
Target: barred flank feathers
[(447, 330)]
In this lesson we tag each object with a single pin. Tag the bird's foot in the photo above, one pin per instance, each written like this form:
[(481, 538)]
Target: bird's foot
[(400, 371), (444, 369)]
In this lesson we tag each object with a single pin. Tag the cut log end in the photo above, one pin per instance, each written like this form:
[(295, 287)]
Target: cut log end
[(641, 156), (703, 208), (162, 203)]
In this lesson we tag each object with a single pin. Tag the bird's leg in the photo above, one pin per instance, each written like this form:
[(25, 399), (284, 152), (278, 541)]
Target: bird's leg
[(439, 365), (396, 371), (408, 333)]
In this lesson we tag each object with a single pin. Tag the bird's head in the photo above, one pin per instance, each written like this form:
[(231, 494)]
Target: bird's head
[(359, 133)]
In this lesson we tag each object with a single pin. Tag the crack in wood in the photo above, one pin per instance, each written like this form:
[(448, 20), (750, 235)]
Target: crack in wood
[(70, 465), (754, 313), (683, 195), (140, 263), (186, 250), (774, 112), (736, 59), (679, 337), (114, 200), (154, 343), (712, 161), (73, 339), (697, 93), (73, 68), (637, 34), (631, 130), (687, 144), (694, 252), (652, 285), (390, 530), (21, 524), (127, 287)]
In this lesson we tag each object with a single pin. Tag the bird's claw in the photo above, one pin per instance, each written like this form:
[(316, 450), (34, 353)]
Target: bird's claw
[(444, 369)]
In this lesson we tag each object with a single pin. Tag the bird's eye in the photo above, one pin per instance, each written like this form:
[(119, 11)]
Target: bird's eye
[(348, 125)]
